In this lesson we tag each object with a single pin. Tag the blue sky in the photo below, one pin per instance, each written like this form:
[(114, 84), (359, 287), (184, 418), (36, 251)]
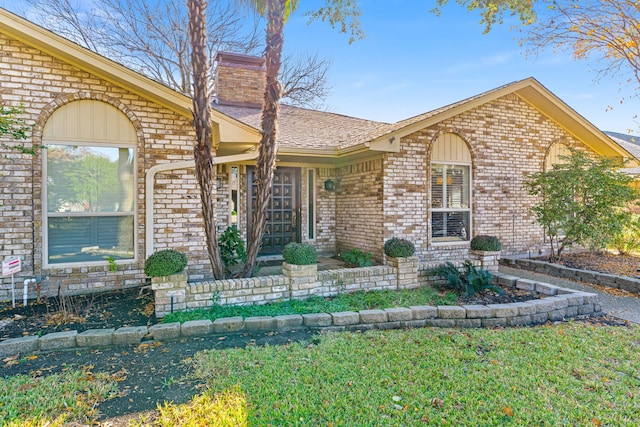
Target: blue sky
[(412, 61)]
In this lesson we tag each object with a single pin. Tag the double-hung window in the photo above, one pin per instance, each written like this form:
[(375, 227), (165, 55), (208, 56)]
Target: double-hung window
[(450, 180), (89, 185)]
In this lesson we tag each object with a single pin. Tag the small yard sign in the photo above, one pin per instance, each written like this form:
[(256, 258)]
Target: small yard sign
[(11, 265)]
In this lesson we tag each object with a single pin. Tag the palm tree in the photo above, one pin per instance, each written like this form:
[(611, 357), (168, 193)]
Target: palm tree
[(276, 12), (205, 172)]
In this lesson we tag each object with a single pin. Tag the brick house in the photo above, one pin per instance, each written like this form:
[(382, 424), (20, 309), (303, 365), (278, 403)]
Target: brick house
[(116, 181)]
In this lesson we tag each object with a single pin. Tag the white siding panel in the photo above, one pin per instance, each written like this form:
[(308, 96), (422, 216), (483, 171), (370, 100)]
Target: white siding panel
[(89, 121), (554, 153), (450, 147)]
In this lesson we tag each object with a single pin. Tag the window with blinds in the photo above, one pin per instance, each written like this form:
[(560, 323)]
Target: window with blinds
[(450, 182)]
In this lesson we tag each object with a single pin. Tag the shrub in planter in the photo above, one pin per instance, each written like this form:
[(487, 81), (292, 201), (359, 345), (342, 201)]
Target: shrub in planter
[(399, 248), (299, 254), (486, 243), (356, 258), (165, 263)]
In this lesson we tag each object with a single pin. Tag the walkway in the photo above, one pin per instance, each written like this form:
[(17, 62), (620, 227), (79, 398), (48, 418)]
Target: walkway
[(622, 307)]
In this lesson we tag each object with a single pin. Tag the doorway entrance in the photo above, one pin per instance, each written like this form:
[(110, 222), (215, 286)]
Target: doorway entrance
[(283, 212)]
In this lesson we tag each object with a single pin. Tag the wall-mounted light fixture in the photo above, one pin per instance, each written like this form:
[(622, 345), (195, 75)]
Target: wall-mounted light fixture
[(329, 185), (218, 183)]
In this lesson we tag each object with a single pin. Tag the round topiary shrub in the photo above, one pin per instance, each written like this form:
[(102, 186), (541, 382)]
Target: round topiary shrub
[(399, 248), (165, 263), (299, 254), (486, 243)]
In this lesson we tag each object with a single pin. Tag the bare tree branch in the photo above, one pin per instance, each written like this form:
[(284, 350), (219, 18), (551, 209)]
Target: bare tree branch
[(148, 36), (305, 80), (606, 30), (151, 37)]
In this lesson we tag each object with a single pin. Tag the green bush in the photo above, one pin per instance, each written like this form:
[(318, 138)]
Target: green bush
[(627, 240), (399, 248), (299, 254), (357, 258), (232, 249), (486, 243), (165, 263), (468, 281)]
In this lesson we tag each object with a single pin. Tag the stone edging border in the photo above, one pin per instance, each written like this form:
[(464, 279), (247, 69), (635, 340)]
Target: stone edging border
[(556, 303), (629, 284)]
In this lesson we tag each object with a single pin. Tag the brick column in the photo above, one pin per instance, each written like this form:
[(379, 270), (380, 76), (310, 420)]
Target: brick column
[(488, 259), (302, 279), (168, 288), (407, 271)]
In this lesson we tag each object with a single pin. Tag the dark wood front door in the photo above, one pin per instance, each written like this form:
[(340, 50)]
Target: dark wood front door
[(283, 219)]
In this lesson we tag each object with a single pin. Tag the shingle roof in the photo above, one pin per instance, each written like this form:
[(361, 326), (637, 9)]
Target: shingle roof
[(630, 143), (304, 128), (301, 128)]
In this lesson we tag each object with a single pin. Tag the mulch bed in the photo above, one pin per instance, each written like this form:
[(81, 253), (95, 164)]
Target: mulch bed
[(114, 309), (621, 265)]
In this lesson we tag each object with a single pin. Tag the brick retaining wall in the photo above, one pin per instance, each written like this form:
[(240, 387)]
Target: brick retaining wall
[(629, 284), (555, 303)]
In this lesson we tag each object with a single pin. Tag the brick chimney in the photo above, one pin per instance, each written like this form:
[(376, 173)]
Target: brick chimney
[(239, 80)]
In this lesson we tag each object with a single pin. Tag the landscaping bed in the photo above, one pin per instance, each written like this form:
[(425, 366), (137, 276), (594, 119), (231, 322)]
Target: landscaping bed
[(134, 307), (113, 309), (620, 265)]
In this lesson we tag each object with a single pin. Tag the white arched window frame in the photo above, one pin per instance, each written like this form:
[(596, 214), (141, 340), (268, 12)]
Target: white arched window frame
[(89, 189), (450, 180)]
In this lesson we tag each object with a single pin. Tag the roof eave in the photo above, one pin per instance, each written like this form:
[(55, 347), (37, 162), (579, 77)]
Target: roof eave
[(539, 97)]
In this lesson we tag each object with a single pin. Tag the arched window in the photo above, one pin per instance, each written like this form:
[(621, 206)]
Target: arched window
[(555, 155), (89, 184), (450, 189)]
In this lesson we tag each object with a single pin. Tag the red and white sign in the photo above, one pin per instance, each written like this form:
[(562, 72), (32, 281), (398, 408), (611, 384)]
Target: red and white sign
[(11, 265)]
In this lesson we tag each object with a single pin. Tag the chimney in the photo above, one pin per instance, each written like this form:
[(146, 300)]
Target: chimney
[(239, 80)]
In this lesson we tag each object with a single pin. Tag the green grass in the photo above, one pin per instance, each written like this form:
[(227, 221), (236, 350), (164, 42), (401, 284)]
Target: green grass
[(572, 374), (53, 400), (361, 300)]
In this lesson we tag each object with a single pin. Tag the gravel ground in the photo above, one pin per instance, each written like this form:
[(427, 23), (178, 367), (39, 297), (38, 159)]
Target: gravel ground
[(622, 307)]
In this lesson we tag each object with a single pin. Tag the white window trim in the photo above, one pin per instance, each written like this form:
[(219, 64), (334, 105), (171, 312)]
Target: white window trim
[(469, 209), (311, 198)]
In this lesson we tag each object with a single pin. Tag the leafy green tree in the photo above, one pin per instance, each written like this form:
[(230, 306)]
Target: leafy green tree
[(582, 201)]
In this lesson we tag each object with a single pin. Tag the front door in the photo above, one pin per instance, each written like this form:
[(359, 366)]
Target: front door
[(283, 219)]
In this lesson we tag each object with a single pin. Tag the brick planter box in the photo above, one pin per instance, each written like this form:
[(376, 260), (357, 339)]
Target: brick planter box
[(170, 293), (488, 259), (407, 271)]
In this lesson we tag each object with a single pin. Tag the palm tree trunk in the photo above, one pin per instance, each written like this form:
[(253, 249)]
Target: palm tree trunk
[(205, 173), (266, 161)]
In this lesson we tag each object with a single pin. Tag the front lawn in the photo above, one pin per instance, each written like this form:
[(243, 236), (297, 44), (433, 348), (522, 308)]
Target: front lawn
[(569, 374)]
